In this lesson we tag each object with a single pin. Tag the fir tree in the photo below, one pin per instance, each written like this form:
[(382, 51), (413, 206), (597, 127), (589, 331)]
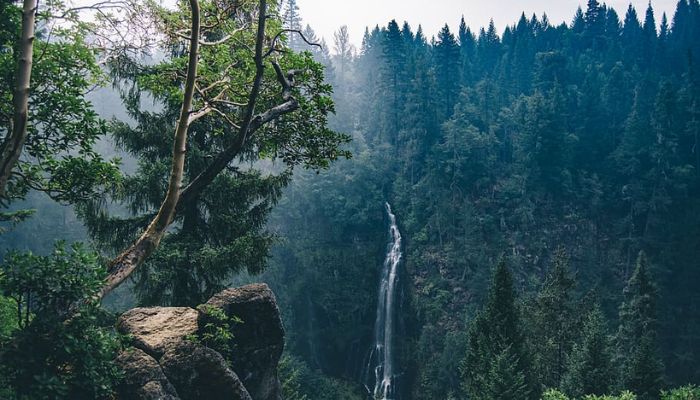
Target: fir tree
[(496, 366), (650, 37), (641, 368), (292, 20), (554, 319), (589, 368), (447, 66)]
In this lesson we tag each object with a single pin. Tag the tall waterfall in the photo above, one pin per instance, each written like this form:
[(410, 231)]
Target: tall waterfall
[(382, 354)]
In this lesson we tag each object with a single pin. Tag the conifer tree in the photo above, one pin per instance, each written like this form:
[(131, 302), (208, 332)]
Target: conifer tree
[(497, 366), (447, 67), (632, 36), (642, 370), (467, 46), (292, 20), (589, 369), (649, 37), (554, 319), (595, 23)]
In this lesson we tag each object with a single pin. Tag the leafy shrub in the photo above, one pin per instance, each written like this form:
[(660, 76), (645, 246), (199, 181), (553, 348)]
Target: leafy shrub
[(553, 394), (216, 330), (51, 355), (690, 392)]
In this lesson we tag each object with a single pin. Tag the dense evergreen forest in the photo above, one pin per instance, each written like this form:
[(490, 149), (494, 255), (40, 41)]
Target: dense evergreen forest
[(568, 152), (545, 180)]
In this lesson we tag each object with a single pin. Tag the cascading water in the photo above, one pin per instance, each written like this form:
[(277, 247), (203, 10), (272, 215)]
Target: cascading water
[(381, 358)]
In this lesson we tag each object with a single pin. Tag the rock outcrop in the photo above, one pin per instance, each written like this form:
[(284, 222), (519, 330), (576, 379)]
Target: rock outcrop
[(154, 328), (259, 340), (143, 377), (201, 373), (167, 362)]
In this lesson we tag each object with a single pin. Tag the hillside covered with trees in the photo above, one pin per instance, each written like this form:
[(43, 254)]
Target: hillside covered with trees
[(567, 152)]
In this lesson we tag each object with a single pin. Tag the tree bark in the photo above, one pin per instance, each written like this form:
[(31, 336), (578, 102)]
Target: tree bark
[(122, 266), (17, 132)]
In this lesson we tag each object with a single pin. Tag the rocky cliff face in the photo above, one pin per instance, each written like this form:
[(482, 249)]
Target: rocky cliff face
[(166, 363)]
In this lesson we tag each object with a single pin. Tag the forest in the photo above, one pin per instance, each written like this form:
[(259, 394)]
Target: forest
[(473, 213)]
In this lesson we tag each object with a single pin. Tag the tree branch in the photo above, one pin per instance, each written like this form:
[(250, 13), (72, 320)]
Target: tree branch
[(279, 34), (122, 266)]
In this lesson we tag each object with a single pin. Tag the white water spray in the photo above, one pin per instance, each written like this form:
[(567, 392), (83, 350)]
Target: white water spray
[(382, 356)]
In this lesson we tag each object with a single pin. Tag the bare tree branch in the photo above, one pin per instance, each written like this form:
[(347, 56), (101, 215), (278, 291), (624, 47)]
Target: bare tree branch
[(272, 48)]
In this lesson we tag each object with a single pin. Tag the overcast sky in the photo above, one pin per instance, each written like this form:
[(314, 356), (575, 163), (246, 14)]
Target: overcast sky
[(325, 16)]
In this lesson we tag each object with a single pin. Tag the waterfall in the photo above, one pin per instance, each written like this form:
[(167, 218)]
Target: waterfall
[(382, 354)]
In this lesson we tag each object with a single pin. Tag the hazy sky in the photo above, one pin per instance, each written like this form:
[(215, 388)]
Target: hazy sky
[(325, 16)]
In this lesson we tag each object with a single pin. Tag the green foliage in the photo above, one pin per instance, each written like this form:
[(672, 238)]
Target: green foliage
[(553, 319), (690, 392), (625, 395), (590, 369), (578, 136), (221, 231), (642, 369), (216, 330), (50, 357), (9, 321), (553, 394), (496, 365), (58, 156), (299, 382), (48, 285)]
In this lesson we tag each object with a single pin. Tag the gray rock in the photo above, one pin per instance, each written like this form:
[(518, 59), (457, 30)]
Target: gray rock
[(143, 378), (153, 328), (258, 342), (199, 372)]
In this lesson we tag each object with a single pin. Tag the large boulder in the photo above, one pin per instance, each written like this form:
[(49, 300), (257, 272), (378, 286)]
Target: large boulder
[(258, 341), (143, 377), (154, 328)]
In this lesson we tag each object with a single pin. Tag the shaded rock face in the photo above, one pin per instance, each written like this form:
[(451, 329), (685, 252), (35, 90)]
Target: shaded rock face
[(201, 373), (258, 341), (143, 377), (167, 364)]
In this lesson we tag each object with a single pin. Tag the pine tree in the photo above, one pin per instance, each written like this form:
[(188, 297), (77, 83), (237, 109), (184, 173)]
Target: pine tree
[(467, 47), (578, 24), (394, 76), (292, 20), (447, 66), (632, 36), (554, 318), (589, 368), (642, 370), (649, 37), (595, 23), (496, 366)]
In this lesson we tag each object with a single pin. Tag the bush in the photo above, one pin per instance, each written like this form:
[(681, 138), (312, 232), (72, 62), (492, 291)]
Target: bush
[(553, 394), (216, 330), (51, 355), (690, 392)]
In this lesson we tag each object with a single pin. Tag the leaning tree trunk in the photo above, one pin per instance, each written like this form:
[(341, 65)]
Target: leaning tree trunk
[(122, 266), (17, 132)]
